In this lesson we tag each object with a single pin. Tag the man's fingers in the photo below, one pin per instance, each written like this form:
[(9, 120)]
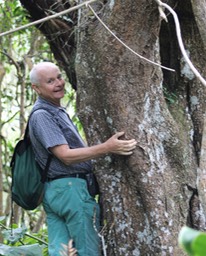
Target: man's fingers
[(124, 153), (71, 250), (70, 245), (119, 134), (126, 148), (129, 145)]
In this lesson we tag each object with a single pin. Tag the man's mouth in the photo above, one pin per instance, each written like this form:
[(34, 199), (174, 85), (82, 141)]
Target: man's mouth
[(59, 90)]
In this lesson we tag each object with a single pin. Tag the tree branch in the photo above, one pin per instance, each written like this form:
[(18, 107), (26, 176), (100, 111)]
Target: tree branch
[(48, 18)]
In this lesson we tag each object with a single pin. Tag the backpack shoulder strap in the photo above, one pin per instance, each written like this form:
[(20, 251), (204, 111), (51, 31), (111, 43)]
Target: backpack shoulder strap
[(26, 134)]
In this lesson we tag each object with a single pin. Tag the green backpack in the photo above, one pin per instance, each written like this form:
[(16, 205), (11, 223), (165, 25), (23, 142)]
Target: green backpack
[(27, 188)]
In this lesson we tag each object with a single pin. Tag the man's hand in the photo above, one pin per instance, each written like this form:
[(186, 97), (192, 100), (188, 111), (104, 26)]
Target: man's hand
[(69, 250), (120, 147)]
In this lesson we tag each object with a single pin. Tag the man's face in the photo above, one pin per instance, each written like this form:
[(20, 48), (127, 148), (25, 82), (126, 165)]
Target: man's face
[(51, 84)]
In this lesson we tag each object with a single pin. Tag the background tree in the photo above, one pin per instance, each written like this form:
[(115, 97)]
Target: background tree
[(147, 197), (17, 52)]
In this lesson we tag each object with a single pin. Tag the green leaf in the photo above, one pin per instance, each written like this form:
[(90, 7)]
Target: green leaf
[(199, 245), (186, 237), (14, 235), (28, 250), (192, 241)]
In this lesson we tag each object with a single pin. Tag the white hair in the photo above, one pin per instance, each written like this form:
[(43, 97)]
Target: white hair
[(34, 76)]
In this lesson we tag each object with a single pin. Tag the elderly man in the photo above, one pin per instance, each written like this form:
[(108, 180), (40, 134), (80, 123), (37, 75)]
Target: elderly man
[(68, 205)]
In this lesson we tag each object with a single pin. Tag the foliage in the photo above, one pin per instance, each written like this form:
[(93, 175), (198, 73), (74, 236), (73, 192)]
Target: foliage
[(170, 97), (193, 241), (19, 51), (18, 242), (27, 250)]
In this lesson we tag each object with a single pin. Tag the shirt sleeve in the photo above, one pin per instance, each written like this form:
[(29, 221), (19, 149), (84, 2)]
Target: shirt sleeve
[(46, 130)]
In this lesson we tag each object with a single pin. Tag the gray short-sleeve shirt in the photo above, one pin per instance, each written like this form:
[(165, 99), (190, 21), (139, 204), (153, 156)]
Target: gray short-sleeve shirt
[(50, 126)]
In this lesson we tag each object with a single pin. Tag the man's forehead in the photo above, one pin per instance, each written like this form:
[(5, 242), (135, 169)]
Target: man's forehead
[(49, 71), (45, 64)]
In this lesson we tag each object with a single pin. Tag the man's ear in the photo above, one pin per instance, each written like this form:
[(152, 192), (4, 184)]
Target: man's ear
[(36, 88)]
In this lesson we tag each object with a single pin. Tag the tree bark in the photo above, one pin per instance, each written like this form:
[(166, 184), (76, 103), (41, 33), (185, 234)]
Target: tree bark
[(147, 197), (199, 8), (2, 73), (143, 195)]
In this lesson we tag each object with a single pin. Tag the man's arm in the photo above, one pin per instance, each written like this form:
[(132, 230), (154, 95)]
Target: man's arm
[(112, 145)]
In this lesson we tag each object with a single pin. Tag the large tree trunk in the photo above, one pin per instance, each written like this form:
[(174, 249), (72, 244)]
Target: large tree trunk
[(146, 197), (149, 196)]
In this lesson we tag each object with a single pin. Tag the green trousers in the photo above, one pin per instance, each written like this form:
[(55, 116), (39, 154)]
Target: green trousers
[(71, 214)]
